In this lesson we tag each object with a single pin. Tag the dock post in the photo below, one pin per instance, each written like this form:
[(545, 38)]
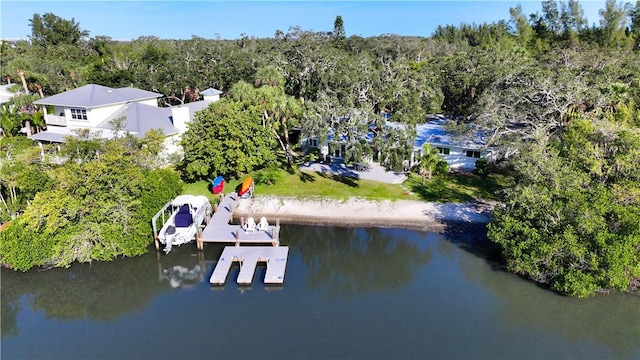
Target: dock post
[(199, 243), (277, 222), (237, 237), (155, 240)]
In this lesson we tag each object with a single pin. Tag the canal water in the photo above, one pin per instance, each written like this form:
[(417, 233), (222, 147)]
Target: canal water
[(348, 293)]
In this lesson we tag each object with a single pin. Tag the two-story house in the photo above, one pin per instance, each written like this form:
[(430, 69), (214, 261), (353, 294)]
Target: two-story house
[(104, 110)]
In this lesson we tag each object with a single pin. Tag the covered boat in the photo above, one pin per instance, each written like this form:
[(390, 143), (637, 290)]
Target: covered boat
[(186, 214), (217, 185), (246, 188)]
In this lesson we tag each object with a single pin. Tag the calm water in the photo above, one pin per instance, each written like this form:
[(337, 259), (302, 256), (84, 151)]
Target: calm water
[(348, 293)]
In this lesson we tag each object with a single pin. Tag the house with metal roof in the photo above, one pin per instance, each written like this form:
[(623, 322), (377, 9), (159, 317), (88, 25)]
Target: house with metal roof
[(107, 112), (461, 153)]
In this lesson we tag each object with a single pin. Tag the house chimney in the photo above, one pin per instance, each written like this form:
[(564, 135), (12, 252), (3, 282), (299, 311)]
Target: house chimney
[(180, 117)]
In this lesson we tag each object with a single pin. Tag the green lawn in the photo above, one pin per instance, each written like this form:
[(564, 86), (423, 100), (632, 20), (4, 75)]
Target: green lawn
[(301, 184), (458, 187)]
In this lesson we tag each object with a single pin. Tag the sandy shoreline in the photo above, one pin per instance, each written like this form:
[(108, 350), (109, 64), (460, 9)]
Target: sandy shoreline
[(358, 212)]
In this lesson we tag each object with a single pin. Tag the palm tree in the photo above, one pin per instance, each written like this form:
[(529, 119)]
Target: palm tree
[(9, 120), (243, 91), (269, 76), (286, 107), (428, 160)]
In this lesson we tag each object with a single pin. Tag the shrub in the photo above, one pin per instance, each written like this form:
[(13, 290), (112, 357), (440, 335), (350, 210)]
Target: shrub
[(483, 167), (313, 154), (14, 145), (268, 176), (442, 167)]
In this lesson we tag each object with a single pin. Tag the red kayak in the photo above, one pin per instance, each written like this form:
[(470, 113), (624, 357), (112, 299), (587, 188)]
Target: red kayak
[(217, 185)]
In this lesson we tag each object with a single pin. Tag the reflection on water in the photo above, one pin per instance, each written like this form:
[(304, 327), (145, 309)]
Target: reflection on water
[(185, 270), (348, 293), (349, 261)]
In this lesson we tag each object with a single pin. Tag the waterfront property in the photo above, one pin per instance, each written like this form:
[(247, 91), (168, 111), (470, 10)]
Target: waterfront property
[(459, 153), (106, 112)]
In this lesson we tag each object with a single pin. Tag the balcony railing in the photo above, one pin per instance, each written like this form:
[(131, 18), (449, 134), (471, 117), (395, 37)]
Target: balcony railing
[(55, 120)]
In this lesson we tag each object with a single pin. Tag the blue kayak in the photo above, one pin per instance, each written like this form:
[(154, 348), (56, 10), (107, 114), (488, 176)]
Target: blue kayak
[(217, 185)]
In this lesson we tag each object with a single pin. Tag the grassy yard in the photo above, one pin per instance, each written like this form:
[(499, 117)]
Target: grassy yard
[(301, 184), (457, 187)]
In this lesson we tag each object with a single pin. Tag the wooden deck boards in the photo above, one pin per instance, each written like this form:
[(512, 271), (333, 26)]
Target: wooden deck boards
[(221, 231), (248, 257)]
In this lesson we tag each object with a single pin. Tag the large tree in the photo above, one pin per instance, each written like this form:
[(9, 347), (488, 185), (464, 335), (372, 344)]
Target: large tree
[(227, 139), (50, 30)]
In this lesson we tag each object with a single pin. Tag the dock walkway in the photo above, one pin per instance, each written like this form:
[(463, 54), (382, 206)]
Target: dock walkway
[(248, 256), (220, 230)]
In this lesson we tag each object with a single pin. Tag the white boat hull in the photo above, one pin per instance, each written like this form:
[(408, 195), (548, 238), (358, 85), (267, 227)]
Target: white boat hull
[(182, 225)]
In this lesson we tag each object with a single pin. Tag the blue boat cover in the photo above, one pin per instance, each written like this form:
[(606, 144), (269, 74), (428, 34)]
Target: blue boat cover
[(183, 217)]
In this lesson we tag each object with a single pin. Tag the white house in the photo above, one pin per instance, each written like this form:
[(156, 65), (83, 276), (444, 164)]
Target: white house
[(460, 154), (95, 107)]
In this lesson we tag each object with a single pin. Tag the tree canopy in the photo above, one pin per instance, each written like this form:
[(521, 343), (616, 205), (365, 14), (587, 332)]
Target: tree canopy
[(99, 209), (50, 30), (558, 98), (226, 139)]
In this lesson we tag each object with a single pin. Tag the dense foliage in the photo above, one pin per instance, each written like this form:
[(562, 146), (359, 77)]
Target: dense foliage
[(571, 220), (98, 210), (226, 139), (559, 97)]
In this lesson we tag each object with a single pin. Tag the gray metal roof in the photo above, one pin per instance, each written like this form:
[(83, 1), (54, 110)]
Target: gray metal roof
[(140, 118), (433, 132), (48, 136), (92, 95), (58, 134), (196, 106)]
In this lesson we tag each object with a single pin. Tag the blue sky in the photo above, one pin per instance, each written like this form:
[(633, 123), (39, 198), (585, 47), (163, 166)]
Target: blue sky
[(127, 20)]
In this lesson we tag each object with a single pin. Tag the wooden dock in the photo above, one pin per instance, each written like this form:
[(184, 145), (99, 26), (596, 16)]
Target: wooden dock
[(219, 229), (248, 257)]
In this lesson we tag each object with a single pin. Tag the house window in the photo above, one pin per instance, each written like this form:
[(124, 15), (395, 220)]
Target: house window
[(79, 114), (442, 150), (313, 143), (473, 154)]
